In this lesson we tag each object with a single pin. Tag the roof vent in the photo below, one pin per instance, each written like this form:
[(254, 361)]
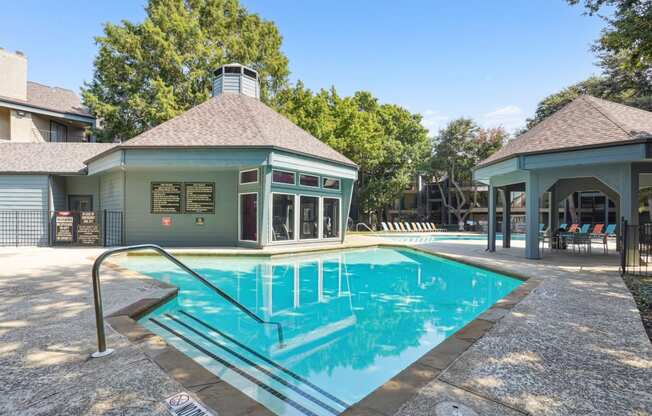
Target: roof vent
[(236, 78)]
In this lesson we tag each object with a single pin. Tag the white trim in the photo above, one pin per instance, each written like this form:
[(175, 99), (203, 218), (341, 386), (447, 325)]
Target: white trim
[(271, 218), (318, 218), (339, 183), (310, 186), (339, 213), (248, 170), (240, 194), (294, 175)]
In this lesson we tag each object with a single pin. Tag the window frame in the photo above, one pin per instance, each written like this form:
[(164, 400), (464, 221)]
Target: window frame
[(240, 194), (248, 170), (294, 174), (309, 186), (319, 222), (295, 220), (339, 184), (339, 225)]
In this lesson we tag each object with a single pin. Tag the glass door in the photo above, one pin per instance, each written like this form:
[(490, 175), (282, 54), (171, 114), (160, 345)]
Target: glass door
[(249, 217)]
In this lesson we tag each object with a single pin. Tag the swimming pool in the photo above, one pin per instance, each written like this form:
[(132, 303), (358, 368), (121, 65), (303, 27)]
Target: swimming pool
[(351, 319), (434, 238)]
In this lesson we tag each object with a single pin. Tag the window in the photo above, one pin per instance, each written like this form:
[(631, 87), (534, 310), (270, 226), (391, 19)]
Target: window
[(232, 70), (309, 180), (249, 217), (280, 176), (282, 217), (248, 176), (308, 214), (58, 132), (329, 183), (250, 73), (331, 223)]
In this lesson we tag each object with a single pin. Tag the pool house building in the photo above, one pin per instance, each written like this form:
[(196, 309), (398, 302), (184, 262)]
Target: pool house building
[(589, 145), (229, 172)]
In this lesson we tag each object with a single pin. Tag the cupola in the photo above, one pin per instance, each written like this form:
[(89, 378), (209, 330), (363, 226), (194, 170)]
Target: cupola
[(236, 78)]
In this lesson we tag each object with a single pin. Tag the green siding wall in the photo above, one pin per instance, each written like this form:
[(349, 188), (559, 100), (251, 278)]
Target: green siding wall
[(24, 192), (84, 185), (141, 226), (112, 191)]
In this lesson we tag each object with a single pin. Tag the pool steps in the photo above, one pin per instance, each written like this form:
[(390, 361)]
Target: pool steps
[(245, 368)]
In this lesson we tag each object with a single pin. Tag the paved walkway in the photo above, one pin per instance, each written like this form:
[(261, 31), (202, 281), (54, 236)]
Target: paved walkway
[(575, 346)]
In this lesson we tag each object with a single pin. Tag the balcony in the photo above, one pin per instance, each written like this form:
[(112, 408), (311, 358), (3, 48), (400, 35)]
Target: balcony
[(58, 136)]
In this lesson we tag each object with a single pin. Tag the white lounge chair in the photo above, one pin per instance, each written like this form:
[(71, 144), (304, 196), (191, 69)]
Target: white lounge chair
[(426, 226), (397, 226), (384, 225), (407, 226)]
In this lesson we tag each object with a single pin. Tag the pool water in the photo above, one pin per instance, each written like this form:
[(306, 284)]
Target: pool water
[(351, 320), (430, 238)]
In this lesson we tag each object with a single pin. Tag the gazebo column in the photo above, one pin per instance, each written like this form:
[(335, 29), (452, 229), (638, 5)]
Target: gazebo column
[(491, 220), (554, 210), (507, 217), (532, 217)]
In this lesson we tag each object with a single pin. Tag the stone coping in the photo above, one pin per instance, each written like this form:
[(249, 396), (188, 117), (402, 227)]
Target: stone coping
[(386, 400)]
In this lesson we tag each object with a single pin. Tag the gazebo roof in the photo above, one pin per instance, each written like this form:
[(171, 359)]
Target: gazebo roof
[(583, 123)]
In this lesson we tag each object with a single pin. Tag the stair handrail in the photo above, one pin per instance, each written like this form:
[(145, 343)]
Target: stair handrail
[(357, 226), (102, 351)]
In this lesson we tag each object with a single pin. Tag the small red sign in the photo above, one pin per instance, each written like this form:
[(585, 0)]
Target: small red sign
[(166, 221)]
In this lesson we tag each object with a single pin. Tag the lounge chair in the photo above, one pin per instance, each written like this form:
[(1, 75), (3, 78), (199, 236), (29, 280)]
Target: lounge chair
[(427, 227), (600, 235), (407, 226), (435, 228), (384, 226), (581, 239), (396, 227)]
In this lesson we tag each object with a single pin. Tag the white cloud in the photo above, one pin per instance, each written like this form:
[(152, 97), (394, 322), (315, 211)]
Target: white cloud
[(511, 117), (434, 120)]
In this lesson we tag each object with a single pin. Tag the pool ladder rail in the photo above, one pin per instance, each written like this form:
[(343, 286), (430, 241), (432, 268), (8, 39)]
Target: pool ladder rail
[(102, 351)]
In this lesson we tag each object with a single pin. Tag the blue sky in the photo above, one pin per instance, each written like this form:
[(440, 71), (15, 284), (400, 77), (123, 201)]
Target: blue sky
[(490, 60)]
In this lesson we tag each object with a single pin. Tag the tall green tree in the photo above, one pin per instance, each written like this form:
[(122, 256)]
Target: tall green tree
[(146, 73), (457, 148), (386, 141)]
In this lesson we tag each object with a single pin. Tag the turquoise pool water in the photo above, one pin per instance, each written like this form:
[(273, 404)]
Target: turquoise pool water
[(351, 319), (426, 239)]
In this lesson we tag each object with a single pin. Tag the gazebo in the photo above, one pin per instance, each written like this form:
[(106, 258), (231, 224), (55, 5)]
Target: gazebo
[(590, 144)]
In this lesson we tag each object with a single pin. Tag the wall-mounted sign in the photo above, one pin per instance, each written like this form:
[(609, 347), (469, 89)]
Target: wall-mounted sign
[(88, 231), (64, 225), (166, 197), (199, 197), (166, 221), (200, 221)]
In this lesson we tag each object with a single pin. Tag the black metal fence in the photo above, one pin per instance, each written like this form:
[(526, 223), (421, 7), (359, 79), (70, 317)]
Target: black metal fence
[(38, 228), (636, 249)]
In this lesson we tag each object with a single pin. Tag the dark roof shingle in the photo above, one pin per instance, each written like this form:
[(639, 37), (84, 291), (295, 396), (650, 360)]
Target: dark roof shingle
[(235, 120), (585, 122), (55, 158)]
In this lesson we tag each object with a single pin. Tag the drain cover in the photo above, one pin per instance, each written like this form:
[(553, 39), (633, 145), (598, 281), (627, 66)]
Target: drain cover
[(454, 409)]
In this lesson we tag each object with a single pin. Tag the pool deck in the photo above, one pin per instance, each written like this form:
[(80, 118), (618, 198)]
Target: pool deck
[(574, 346)]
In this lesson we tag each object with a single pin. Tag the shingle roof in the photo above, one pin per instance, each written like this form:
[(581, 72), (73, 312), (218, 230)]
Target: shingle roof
[(234, 120), (585, 122), (56, 158), (52, 98)]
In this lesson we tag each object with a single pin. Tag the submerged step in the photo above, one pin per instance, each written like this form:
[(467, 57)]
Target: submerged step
[(244, 368)]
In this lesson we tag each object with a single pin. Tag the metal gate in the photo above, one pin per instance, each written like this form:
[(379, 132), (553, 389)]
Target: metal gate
[(37, 228), (636, 249)]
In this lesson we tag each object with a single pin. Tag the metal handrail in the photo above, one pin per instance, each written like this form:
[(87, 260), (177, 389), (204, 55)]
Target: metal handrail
[(97, 296)]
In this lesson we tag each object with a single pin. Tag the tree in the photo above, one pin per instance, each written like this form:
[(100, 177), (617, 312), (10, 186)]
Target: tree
[(457, 148), (386, 141), (146, 73)]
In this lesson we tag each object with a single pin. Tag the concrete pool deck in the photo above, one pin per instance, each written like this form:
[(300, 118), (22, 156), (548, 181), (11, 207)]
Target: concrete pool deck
[(575, 345)]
